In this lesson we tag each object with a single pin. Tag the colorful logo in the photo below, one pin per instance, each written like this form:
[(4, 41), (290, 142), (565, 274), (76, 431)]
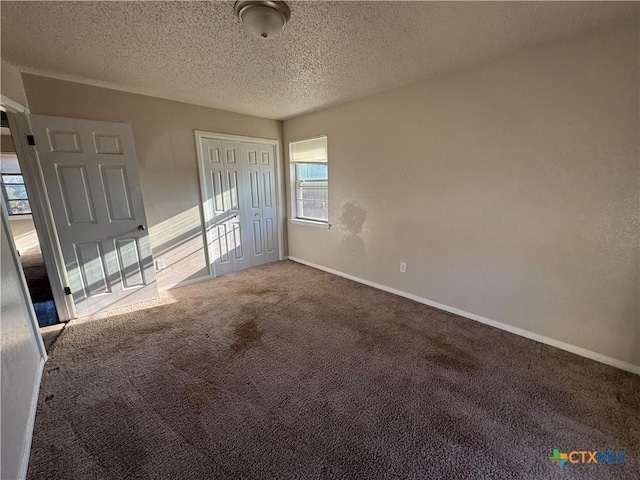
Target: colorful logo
[(559, 458), (587, 456)]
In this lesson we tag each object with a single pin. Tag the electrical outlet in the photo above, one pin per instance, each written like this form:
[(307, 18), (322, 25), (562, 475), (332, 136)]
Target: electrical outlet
[(403, 267), (160, 265)]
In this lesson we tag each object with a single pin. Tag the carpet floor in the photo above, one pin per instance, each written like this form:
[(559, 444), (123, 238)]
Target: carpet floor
[(35, 274), (283, 371)]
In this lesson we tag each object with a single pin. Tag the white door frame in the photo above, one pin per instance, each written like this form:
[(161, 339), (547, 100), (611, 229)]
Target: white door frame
[(41, 210), (279, 180), (35, 329)]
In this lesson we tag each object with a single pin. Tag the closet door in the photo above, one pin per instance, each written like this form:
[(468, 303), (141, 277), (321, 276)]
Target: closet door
[(237, 214), (269, 205), (222, 205), (260, 200), (239, 202)]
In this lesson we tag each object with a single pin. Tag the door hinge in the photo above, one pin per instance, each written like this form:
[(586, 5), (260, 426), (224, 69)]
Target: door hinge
[(67, 290), (31, 140)]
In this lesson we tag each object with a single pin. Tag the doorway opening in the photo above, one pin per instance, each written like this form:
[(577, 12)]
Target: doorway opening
[(15, 196)]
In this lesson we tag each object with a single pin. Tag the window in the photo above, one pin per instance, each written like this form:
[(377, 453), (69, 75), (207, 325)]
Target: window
[(310, 178), (13, 189)]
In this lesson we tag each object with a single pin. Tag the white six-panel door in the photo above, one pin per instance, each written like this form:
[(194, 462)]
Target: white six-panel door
[(90, 173), (223, 216), (260, 197), (238, 182)]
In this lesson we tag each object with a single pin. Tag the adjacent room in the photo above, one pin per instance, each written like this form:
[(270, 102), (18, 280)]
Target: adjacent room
[(320, 240), (25, 237)]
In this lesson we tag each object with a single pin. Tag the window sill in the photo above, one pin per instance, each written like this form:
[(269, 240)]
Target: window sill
[(309, 223), (26, 216)]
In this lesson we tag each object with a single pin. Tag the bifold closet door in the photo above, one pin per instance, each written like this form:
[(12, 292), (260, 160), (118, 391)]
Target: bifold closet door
[(239, 189), (260, 201), (226, 235)]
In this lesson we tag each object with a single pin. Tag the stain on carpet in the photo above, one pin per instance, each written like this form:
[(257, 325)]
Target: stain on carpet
[(247, 336), (439, 351), (123, 440)]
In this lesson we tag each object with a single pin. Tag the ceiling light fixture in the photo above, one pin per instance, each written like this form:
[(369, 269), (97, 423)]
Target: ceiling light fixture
[(263, 18)]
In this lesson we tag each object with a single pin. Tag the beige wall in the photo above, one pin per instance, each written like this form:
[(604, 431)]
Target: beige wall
[(11, 83), (24, 233), (165, 144), (6, 144), (20, 363), (511, 189)]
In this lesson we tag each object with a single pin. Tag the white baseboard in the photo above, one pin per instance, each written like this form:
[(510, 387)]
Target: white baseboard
[(32, 419), (583, 352)]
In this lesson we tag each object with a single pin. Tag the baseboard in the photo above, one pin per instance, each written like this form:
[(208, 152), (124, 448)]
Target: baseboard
[(32, 419), (583, 352)]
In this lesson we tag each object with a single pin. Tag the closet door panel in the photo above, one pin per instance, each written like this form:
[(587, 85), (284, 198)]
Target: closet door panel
[(254, 197)]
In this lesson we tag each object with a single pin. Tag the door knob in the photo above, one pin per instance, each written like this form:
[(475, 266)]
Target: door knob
[(141, 227)]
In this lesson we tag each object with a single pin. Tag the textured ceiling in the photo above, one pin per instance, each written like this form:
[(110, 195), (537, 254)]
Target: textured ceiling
[(329, 53)]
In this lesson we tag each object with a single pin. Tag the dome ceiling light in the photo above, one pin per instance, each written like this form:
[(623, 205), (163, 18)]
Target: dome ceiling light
[(263, 18)]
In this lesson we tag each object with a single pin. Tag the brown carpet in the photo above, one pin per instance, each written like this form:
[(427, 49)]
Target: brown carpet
[(283, 371), (35, 273)]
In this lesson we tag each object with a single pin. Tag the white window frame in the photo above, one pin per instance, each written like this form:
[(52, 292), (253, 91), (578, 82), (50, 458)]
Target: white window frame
[(295, 219), (8, 200)]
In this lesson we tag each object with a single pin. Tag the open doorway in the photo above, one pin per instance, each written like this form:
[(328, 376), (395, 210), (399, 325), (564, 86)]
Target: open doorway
[(15, 196), (87, 209)]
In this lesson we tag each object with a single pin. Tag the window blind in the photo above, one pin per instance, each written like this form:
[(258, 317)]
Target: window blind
[(313, 150)]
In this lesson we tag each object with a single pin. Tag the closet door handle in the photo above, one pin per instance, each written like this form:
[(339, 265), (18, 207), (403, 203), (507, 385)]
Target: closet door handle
[(141, 228)]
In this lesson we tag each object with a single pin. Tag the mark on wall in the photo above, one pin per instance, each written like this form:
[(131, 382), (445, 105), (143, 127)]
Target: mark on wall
[(353, 217), (352, 220)]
